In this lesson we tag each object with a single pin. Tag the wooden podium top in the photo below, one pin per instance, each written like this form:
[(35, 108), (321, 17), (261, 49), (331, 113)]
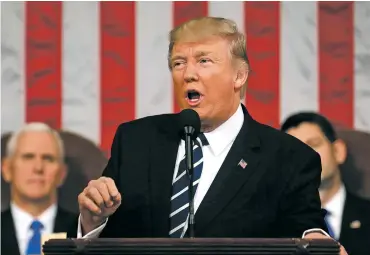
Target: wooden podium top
[(205, 246)]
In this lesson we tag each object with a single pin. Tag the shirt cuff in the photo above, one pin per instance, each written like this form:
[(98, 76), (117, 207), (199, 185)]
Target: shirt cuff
[(313, 230), (92, 234)]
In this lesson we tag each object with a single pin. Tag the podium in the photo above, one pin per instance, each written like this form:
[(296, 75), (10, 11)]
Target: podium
[(204, 246)]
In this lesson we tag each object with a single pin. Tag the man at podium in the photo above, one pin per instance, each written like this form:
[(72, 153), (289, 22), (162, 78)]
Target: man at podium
[(250, 180)]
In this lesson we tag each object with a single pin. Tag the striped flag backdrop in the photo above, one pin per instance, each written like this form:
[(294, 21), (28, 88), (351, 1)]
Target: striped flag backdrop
[(87, 66)]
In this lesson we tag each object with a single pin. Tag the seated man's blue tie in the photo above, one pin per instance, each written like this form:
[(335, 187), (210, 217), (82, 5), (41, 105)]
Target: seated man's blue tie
[(180, 188), (330, 229), (34, 245)]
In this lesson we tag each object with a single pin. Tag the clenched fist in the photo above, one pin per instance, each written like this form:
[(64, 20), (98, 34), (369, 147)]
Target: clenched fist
[(97, 202)]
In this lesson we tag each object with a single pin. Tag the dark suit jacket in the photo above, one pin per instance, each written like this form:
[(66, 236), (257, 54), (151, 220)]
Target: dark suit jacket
[(276, 195), (9, 243), (356, 237)]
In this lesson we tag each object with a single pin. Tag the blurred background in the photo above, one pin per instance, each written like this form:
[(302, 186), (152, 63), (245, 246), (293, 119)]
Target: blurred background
[(85, 67)]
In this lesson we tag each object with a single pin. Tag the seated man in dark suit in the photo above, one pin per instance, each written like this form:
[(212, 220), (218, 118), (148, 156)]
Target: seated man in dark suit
[(34, 168), (251, 180), (348, 217)]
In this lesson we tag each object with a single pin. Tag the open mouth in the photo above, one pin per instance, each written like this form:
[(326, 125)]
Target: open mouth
[(193, 97)]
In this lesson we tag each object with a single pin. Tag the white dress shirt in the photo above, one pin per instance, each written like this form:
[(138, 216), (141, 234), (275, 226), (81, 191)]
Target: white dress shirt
[(220, 141), (335, 206), (23, 220)]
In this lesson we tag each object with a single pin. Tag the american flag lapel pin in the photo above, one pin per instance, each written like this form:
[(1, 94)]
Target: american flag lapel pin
[(242, 163)]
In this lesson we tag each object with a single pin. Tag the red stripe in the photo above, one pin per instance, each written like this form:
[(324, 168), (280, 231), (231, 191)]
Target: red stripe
[(184, 11), (262, 24), (117, 24), (43, 62), (336, 65)]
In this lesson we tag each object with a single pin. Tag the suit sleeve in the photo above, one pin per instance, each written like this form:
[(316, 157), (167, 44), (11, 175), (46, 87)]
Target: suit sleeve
[(300, 208), (114, 162), (111, 171)]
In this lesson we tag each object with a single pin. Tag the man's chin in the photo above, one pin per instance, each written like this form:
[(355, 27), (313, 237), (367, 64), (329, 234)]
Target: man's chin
[(326, 183), (37, 197)]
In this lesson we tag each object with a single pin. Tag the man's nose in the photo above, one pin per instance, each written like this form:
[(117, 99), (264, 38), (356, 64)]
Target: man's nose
[(190, 73), (38, 165)]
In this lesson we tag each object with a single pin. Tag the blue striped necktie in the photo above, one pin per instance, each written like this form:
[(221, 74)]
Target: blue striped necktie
[(180, 188), (34, 245)]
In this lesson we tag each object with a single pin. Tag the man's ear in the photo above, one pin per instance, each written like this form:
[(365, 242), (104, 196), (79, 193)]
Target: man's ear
[(340, 151), (6, 170), (241, 75)]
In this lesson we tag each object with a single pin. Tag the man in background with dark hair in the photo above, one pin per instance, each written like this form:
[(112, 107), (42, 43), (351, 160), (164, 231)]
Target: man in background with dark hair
[(348, 216)]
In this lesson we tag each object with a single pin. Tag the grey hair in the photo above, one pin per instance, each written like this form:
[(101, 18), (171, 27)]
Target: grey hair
[(34, 127)]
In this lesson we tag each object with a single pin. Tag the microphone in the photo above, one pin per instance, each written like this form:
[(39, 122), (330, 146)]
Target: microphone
[(189, 131)]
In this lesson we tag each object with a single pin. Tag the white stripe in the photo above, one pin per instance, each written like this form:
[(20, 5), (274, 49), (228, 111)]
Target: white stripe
[(200, 142), (230, 10), (197, 163), (153, 80), (298, 58), (179, 210), (362, 66), (80, 90), (183, 190), (179, 193), (12, 66), (177, 228), (179, 177), (182, 174)]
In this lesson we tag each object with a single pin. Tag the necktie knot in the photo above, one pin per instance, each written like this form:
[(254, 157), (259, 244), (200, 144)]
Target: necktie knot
[(202, 139), (36, 225)]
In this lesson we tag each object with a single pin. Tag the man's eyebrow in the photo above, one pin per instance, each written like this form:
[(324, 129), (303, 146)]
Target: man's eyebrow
[(177, 57), (202, 53), (196, 55)]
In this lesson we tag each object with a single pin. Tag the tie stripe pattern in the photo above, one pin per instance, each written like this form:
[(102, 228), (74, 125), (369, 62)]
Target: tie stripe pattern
[(180, 188)]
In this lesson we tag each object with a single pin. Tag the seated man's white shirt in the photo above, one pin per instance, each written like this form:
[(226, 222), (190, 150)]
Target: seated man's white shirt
[(336, 206), (23, 220), (220, 141)]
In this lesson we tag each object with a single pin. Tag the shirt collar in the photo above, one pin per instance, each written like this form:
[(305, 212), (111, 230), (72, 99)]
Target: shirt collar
[(336, 203), (225, 134), (23, 218)]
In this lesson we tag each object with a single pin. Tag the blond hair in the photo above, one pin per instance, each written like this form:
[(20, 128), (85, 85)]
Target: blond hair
[(205, 27)]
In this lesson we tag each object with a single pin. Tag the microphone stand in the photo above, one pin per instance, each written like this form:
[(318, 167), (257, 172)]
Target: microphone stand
[(190, 171)]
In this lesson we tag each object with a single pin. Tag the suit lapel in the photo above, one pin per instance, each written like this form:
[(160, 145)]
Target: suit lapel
[(9, 239), (59, 221), (231, 175), (163, 160), (62, 221), (350, 223)]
